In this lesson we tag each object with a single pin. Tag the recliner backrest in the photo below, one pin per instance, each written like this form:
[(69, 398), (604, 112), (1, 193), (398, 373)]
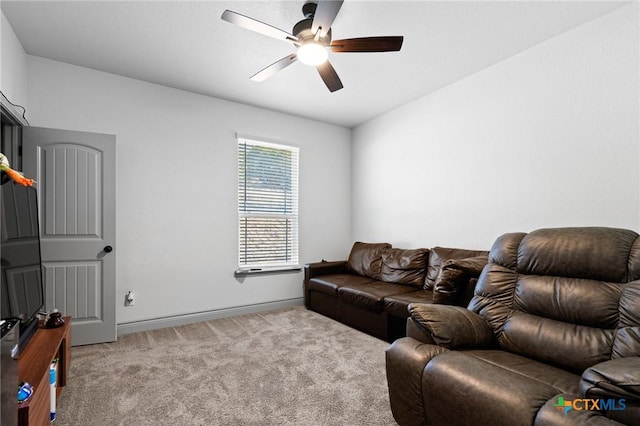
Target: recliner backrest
[(565, 296)]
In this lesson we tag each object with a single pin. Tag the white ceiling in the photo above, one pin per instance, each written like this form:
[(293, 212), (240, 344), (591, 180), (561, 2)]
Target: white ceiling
[(185, 45)]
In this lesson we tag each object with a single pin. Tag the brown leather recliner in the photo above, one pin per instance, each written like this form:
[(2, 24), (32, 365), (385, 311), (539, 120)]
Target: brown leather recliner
[(551, 337)]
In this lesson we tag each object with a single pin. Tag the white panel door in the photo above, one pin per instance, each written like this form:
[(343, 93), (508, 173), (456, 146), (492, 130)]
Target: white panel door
[(75, 175)]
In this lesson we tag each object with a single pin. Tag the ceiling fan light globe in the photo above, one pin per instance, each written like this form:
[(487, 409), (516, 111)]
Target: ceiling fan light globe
[(312, 54)]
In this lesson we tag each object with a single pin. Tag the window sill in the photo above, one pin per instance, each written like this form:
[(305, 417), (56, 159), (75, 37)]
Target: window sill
[(271, 270)]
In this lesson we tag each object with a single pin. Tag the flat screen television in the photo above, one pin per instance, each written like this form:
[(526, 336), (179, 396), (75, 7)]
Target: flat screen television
[(21, 289)]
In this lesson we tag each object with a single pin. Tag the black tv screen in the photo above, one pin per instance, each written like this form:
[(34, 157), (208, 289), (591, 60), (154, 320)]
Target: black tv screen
[(21, 290)]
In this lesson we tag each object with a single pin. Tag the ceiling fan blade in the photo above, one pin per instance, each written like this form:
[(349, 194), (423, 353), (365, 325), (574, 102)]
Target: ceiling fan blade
[(324, 16), (368, 44), (257, 26), (274, 68), (329, 76)]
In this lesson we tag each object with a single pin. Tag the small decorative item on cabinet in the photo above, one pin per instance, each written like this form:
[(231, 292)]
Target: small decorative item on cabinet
[(54, 319)]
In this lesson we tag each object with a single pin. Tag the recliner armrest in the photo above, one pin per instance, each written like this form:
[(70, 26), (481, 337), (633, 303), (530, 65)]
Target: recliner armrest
[(616, 378), (452, 327), (320, 268), (324, 268)]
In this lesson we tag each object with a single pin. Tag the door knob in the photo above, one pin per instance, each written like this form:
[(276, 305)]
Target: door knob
[(108, 249)]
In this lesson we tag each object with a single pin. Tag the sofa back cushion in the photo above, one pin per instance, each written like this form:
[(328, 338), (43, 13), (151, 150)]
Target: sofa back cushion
[(366, 259), (566, 296), (438, 255), (403, 266)]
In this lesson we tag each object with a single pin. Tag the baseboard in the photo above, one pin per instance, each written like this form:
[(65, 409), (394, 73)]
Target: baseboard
[(176, 320)]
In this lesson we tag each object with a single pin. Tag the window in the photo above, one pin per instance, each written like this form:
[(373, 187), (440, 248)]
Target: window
[(267, 206)]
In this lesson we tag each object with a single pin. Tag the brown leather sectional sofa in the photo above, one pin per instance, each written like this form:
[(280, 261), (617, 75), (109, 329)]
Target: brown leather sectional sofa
[(551, 337), (372, 289)]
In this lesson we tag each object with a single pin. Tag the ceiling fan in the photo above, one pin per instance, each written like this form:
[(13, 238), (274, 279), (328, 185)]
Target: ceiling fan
[(312, 38)]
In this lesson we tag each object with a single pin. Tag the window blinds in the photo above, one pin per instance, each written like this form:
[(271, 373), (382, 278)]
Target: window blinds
[(267, 204)]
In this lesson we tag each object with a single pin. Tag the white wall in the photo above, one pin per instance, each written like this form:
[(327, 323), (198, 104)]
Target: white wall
[(13, 65), (177, 186), (549, 137)]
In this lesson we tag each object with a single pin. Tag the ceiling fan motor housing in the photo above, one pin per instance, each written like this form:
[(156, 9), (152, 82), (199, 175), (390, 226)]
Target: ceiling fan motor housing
[(302, 29), (309, 9)]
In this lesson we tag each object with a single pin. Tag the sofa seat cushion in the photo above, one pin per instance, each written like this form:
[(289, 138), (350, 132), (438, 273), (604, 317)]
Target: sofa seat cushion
[(510, 388), (329, 284), (371, 295), (398, 304)]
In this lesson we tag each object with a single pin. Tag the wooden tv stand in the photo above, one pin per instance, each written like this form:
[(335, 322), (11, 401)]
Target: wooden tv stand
[(46, 345)]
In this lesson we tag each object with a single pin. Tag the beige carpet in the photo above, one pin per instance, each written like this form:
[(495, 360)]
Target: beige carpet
[(284, 367)]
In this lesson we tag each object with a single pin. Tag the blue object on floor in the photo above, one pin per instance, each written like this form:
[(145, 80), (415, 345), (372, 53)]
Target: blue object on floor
[(24, 392)]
